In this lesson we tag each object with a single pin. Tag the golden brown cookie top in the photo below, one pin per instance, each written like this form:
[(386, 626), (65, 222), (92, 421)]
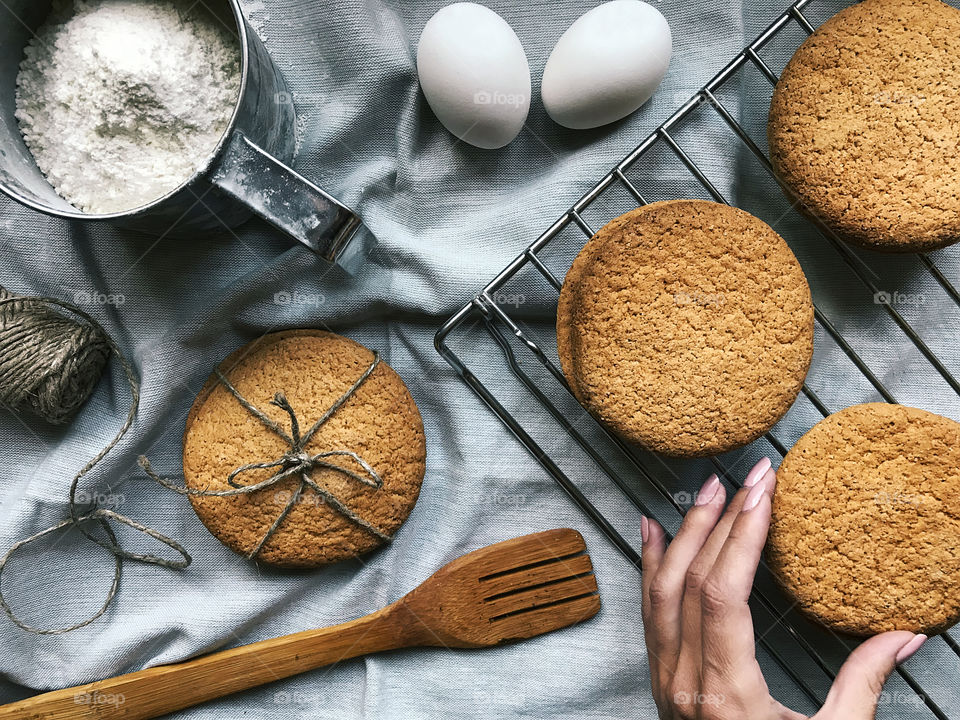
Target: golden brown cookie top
[(686, 326), (864, 124), (866, 523), (380, 423)]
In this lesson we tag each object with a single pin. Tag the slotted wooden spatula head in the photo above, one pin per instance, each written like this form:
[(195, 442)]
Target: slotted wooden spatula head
[(509, 591)]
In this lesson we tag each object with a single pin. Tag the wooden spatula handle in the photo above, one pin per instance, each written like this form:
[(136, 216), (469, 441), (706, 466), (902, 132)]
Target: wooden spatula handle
[(160, 690)]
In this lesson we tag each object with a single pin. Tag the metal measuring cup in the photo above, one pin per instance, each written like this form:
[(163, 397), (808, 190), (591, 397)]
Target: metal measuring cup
[(247, 171)]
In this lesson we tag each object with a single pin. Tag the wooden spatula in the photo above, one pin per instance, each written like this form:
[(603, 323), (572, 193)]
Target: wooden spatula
[(509, 591)]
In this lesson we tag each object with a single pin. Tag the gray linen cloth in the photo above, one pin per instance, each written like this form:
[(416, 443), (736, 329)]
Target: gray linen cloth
[(448, 218)]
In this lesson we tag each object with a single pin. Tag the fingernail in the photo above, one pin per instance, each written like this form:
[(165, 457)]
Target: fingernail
[(753, 497), (709, 490), (757, 472), (908, 650), (644, 528)]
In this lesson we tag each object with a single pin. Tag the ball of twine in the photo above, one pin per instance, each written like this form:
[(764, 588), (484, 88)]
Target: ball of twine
[(49, 363)]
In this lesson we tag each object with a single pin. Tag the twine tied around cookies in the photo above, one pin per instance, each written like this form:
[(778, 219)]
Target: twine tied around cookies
[(60, 360), (294, 462)]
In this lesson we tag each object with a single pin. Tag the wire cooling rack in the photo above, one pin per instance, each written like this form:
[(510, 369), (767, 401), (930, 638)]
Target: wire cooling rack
[(809, 655)]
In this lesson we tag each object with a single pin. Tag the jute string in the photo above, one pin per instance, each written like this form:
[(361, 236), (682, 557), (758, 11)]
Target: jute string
[(57, 366), (61, 360)]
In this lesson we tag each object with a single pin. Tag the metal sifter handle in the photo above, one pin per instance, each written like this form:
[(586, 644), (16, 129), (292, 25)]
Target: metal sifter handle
[(286, 199)]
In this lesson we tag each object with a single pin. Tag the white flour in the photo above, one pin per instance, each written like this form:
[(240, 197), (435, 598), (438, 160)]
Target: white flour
[(121, 101)]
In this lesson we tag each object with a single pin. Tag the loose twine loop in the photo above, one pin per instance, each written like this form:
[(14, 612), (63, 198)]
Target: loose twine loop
[(72, 381), (54, 343)]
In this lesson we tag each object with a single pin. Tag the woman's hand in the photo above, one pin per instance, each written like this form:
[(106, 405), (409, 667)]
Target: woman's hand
[(698, 628)]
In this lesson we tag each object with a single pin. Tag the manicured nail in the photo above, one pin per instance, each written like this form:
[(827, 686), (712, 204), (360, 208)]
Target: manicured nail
[(757, 472), (709, 490), (644, 528), (908, 650), (753, 497)]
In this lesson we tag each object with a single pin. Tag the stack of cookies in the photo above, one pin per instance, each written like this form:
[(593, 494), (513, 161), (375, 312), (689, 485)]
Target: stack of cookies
[(686, 327), (344, 490)]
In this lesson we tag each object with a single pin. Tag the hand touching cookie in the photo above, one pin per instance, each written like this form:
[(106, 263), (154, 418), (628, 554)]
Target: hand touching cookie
[(699, 630)]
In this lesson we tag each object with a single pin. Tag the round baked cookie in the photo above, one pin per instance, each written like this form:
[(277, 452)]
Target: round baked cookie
[(866, 527), (864, 127), (380, 422), (686, 326)]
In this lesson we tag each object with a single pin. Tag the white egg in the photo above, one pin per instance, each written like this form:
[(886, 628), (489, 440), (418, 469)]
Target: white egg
[(607, 64), (474, 74)]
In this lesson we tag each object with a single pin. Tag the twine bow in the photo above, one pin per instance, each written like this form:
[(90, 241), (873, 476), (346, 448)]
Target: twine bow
[(294, 462)]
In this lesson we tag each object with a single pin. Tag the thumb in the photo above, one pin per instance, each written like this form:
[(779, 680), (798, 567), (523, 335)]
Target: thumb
[(857, 689)]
